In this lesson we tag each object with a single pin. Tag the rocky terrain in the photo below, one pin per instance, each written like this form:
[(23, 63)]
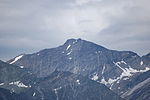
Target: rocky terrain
[(76, 70)]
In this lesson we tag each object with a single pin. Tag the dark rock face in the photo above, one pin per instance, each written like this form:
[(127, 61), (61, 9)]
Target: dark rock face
[(110, 67), (15, 78), (68, 86), (20, 84), (77, 56), (6, 95), (141, 94), (146, 59), (139, 87)]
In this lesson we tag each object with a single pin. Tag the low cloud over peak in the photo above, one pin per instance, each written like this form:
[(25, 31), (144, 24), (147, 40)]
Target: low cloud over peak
[(31, 25)]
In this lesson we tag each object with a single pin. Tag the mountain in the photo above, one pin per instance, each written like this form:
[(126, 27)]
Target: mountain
[(19, 84), (139, 87), (15, 78), (110, 67), (123, 87), (68, 86)]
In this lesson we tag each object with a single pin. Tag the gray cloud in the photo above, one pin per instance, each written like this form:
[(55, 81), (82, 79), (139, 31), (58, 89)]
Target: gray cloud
[(31, 25)]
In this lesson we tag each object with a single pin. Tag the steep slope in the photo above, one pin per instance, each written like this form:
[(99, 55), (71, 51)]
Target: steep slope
[(6, 94), (19, 84), (15, 78), (68, 86), (127, 84), (142, 93), (78, 56), (139, 87), (146, 59)]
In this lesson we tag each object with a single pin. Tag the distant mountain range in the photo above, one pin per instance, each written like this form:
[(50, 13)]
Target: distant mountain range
[(78, 70)]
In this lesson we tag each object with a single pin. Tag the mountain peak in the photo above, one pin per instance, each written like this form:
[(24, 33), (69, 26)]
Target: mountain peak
[(83, 43), (72, 40)]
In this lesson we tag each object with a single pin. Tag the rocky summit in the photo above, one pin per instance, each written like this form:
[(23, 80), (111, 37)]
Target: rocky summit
[(77, 70)]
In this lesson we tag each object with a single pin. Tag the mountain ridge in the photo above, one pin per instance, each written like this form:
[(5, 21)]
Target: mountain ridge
[(58, 85), (71, 40), (110, 67)]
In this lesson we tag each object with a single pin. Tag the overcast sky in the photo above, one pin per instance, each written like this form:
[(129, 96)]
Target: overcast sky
[(27, 26)]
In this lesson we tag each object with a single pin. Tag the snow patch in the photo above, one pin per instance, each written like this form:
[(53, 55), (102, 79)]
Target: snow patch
[(123, 62), (56, 93), (69, 53), (16, 59), (78, 81), (19, 84), (70, 58), (103, 81), (1, 84), (12, 90), (141, 63), (103, 69), (68, 47), (34, 94), (21, 66), (127, 72), (56, 89), (95, 77), (125, 75), (135, 70), (110, 80), (126, 78), (146, 69)]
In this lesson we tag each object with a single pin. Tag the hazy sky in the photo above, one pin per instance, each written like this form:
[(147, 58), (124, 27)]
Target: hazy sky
[(27, 26)]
